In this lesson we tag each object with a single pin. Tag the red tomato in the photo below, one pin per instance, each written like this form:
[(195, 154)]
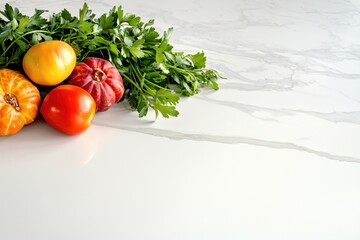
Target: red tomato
[(69, 109), (101, 79)]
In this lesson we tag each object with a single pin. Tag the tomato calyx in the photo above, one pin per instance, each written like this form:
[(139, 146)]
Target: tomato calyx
[(12, 100), (98, 75)]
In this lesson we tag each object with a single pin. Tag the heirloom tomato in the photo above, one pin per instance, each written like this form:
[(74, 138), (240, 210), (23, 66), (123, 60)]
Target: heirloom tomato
[(101, 79), (19, 101), (49, 63), (68, 108)]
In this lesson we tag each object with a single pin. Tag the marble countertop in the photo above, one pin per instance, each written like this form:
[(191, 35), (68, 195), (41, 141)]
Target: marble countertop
[(274, 154)]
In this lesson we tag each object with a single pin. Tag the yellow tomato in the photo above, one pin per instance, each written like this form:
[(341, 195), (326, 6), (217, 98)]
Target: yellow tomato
[(49, 63), (19, 101)]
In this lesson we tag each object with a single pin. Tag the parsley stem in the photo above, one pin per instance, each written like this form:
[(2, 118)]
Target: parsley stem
[(132, 82), (22, 36), (181, 70), (156, 85)]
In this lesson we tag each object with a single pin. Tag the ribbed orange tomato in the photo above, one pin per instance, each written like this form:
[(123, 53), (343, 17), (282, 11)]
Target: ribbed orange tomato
[(19, 101), (49, 63)]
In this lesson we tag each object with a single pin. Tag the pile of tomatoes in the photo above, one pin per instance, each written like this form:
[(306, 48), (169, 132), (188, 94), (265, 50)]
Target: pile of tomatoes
[(78, 90)]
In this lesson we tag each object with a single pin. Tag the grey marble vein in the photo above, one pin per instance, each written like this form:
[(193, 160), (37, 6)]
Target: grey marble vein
[(336, 116), (176, 135)]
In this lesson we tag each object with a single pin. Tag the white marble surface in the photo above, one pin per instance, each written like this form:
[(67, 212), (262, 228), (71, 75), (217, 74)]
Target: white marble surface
[(274, 154)]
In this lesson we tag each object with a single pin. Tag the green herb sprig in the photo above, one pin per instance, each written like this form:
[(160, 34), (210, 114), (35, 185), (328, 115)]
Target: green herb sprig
[(155, 76)]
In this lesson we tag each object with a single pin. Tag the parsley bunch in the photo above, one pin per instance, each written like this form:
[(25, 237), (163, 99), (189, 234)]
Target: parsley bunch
[(155, 76)]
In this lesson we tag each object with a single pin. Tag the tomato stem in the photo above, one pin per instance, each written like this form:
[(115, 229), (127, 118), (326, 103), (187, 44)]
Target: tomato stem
[(12, 100), (99, 75)]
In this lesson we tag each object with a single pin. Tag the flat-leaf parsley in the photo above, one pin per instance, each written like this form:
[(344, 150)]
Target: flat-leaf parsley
[(155, 76)]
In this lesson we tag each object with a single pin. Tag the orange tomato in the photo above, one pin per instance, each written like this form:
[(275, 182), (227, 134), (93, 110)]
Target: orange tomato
[(49, 63), (19, 101)]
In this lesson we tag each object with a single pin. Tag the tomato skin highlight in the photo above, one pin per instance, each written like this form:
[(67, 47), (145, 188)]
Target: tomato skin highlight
[(69, 109), (101, 79), (19, 101), (49, 63)]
